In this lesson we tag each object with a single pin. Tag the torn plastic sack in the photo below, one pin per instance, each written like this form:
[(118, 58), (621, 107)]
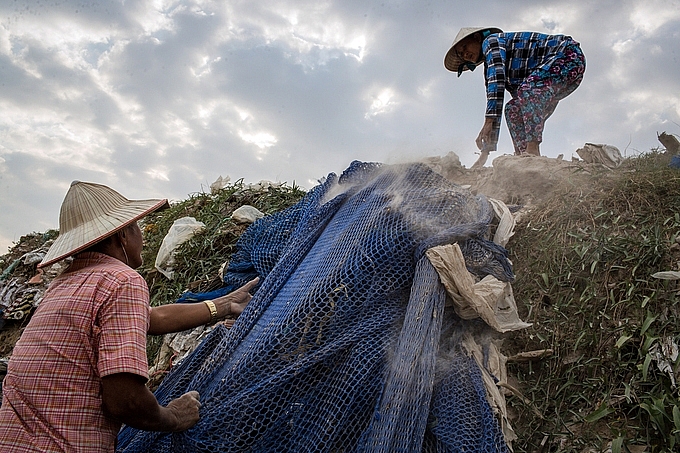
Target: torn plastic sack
[(181, 231), (246, 214), (607, 155), (489, 299)]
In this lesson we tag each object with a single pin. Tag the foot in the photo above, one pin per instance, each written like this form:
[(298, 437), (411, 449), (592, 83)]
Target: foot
[(533, 149)]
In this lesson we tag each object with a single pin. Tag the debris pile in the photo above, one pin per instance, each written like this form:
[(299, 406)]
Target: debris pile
[(21, 284), (22, 288)]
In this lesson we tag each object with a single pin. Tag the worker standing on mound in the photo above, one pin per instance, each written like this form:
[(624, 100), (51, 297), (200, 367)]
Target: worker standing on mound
[(538, 70), (79, 369)]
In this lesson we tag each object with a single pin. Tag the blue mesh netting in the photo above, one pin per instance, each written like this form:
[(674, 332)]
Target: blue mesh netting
[(341, 348)]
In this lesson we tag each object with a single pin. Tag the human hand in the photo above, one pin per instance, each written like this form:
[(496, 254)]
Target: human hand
[(484, 137), (185, 410), (234, 302)]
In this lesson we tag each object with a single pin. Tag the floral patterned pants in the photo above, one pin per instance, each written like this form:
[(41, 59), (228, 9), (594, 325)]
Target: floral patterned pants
[(537, 97)]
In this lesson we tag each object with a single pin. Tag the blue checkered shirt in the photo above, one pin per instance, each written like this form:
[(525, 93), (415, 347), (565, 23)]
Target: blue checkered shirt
[(509, 58)]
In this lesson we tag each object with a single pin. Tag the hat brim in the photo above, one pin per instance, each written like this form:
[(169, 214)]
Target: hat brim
[(451, 60), (85, 236)]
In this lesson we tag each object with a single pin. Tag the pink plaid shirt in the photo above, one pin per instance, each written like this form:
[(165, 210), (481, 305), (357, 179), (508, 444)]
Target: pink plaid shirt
[(91, 323)]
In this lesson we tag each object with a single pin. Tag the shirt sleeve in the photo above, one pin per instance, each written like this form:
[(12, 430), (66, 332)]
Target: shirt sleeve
[(124, 322), (495, 60)]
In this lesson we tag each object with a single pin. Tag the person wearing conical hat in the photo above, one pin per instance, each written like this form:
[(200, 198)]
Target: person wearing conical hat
[(79, 369), (538, 70)]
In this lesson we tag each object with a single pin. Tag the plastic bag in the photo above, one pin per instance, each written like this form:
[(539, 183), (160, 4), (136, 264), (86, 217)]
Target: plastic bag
[(181, 230)]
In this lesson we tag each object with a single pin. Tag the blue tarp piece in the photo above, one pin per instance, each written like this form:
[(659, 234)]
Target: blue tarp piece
[(347, 344), (675, 162)]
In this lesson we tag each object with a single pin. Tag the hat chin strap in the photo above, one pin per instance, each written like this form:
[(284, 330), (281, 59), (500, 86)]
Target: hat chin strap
[(466, 64), (127, 261)]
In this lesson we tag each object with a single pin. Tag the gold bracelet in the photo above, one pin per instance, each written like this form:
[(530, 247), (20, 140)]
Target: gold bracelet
[(213, 310)]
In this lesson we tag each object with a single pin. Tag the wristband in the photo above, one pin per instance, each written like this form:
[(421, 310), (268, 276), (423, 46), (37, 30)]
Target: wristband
[(213, 310)]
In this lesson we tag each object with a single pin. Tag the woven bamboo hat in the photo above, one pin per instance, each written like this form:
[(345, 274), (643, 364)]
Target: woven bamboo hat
[(92, 212), (451, 61)]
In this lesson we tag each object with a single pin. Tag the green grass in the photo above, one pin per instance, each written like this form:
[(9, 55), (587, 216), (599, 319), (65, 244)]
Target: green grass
[(198, 260), (584, 262)]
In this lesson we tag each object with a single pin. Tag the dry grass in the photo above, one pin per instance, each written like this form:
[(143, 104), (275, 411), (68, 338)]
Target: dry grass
[(584, 262)]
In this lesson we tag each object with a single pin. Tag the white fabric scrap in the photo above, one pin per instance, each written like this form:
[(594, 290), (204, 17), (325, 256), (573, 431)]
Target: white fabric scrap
[(263, 186), (177, 346), (607, 155), (489, 299), (665, 354), (246, 214), (667, 275), (181, 231)]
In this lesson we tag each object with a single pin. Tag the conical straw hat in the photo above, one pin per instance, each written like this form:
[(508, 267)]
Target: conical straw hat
[(451, 61), (92, 212)]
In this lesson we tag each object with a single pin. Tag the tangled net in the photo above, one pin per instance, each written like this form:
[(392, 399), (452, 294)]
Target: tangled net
[(346, 345)]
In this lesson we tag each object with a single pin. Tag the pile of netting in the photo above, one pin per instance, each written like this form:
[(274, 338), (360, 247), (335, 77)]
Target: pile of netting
[(346, 345)]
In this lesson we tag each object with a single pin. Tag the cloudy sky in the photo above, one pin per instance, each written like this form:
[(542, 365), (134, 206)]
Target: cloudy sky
[(158, 98)]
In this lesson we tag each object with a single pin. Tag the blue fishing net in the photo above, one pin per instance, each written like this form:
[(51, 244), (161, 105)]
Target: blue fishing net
[(347, 345)]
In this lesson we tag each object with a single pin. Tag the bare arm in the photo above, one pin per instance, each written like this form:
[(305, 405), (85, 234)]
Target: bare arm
[(177, 317), (126, 399)]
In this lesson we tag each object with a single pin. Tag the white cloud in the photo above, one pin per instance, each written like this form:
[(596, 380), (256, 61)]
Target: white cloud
[(159, 173), (646, 106), (426, 90), (313, 34), (560, 18), (157, 15), (205, 113), (205, 66), (381, 103), (648, 16), (43, 136), (262, 140), (621, 48), (177, 131)]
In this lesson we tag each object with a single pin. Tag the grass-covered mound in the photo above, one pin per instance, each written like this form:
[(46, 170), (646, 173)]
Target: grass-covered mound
[(584, 262)]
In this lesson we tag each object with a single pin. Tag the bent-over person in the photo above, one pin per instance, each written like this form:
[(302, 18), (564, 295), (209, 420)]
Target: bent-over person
[(537, 69)]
